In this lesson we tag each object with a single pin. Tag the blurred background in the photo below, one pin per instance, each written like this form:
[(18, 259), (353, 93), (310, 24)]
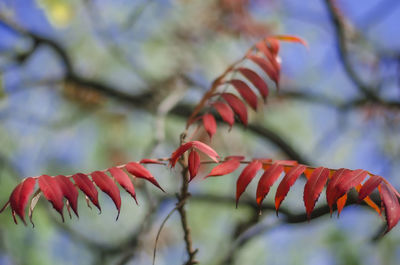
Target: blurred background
[(88, 84)]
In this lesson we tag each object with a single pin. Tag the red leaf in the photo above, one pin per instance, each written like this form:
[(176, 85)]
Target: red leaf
[(248, 173), (256, 80), (108, 186), (224, 168), (345, 184), (151, 161), (237, 105), (140, 171), (288, 180), (262, 46), (314, 187), (87, 187), (52, 192), (225, 112), (331, 191), (246, 92), (391, 205), (196, 144), (267, 180), (20, 197), (193, 164), (69, 192), (209, 124), (273, 44), (266, 66), (369, 186), (123, 179)]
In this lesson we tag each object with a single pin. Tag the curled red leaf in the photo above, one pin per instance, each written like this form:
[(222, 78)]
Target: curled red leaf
[(225, 112), (224, 168), (256, 80), (193, 164), (369, 186), (19, 198), (391, 205), (124, 180), (314, 187), (245, 91), (86, 186), (140, 171), (248, 173), (267, 180), (209, 124), (69, 192), (237, 105), (194, 144), (52, 192), (108, 186), (288, 180)]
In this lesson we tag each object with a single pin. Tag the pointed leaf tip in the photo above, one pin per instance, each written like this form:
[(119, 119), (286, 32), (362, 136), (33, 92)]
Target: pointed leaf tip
[(20, 197), (269, 177), (83, 182), (52, 192), (193, 164), (140, 171), (108, 186), (123, 179), (247, 175)]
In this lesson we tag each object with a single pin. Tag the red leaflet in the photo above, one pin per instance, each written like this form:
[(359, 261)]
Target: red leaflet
[(246, 92), (193, 164), (224, 168), (140, 171), (273, 44), (237, 105), (341, 202), (209, 124), (19, 198), (196, 144), (288, 180), (69, 191), (369, 186), (225, 112), (108, 186), (123, 179), (331, 191), (86, 185), (391, 205), (267, 180), (248, 173), (256, 80), (151, 161), (266, 66), (262, 46), (314, 187), (345, 184), (52, 192)]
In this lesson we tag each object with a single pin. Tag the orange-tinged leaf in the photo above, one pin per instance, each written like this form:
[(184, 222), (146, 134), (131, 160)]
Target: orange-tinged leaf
[(140, 171), (245, 91), (20, 197), (267, 180), (237, 105), (288, 180), (262, 47), (193, 164), (345, 184), (52, 192), (369, 186), (289, 38), (314, 187), (224, 168), (308, 172), (209, 124), (331, 191), (266, 66), (108, 186), (69, 192), (368, 201), (87, 187), (225, 112), (391, 205), (341, 202), (256, 80), (124, 180), (248, 173)]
